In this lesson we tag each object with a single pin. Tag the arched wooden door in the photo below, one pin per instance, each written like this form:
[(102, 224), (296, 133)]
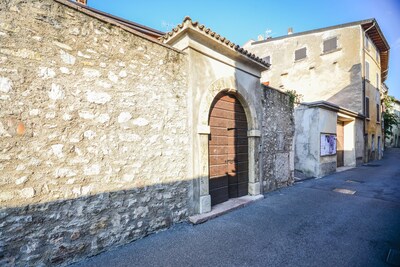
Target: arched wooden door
[(228, 149)]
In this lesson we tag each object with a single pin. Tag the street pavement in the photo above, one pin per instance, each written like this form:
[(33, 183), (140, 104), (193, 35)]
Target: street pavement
[(307, 224)]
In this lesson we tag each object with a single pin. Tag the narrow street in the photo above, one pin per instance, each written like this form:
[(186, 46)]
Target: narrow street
[(308, 224)]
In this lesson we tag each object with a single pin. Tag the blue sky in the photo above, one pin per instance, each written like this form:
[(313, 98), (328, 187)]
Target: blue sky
[(240, 21)]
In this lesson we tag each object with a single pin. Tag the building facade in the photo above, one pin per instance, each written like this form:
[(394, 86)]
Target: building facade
[(394, 139), (343, 66), (110, 130)]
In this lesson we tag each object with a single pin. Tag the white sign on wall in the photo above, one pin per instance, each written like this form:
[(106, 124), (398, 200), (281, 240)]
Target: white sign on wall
[(328, 144)]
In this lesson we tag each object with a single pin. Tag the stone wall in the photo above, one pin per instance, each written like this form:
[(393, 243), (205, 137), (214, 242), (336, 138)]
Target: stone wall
[(93, 135), (277, 140)]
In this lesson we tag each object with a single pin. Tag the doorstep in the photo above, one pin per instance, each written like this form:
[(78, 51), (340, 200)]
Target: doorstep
[(222, 208), (345, 168)]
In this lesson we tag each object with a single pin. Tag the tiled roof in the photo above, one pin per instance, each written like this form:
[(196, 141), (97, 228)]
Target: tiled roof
[(188, 23)]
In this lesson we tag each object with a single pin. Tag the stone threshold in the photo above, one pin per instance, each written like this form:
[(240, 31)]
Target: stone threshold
[(225, 207), (345, 168)]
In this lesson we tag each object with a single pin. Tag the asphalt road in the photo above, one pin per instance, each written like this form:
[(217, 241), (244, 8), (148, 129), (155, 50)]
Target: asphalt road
[(307, 224)]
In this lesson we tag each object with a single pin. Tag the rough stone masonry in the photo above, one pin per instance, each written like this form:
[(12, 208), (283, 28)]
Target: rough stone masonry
[(92, 137), (94, 144)]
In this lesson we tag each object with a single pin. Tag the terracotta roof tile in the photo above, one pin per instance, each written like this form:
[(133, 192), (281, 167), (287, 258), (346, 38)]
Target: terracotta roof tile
[(187, 22)]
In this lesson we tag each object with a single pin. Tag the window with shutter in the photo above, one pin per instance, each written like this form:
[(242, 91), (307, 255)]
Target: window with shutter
[(300, 53), (367, 70), (366, 107), (330, 45)]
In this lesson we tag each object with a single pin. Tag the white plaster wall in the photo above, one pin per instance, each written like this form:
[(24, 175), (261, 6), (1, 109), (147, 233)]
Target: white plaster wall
[(310, 123), (349, 144), (306, 151)]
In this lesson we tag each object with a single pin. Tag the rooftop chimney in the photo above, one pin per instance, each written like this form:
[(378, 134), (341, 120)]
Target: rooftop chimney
[(290, 31), (83, 2), (260, 38)]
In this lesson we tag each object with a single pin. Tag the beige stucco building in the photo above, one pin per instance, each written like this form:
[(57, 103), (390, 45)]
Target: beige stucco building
[(343, 66)]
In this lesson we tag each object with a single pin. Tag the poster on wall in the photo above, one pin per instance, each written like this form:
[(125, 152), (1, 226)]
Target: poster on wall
[(328, 144)]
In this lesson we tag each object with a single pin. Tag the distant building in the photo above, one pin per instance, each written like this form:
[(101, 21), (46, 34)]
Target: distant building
[(394, 139), (340, 69)]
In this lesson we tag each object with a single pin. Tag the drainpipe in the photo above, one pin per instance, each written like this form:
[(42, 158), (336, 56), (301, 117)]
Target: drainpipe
[(363, 91)]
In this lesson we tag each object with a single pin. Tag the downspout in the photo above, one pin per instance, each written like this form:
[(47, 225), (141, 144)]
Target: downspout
[(363, 88)]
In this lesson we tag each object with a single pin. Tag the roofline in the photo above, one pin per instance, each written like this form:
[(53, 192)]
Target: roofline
[(137, 26), (83, 9), (381, 34), (188, 25), (344, 25), (333, 107)]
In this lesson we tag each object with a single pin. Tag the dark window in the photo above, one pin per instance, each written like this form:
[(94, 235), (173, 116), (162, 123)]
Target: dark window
[(377, 113), (367, 107), (267, 59), (330, 44), (367, 70), (300, 53)]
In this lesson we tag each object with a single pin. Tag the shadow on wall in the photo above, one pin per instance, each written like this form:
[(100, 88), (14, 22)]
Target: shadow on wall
[(64, 231), (350, 97)]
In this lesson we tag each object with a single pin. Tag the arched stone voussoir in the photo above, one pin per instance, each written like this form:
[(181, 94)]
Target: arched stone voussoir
[(229, 85)]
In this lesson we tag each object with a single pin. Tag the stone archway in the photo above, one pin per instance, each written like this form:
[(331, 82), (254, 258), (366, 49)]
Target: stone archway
[(225, 85), (227, 149)]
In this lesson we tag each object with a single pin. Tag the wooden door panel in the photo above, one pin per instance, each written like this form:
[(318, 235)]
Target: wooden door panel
[(228, 150), (243, 189), (217, 170), (219, 195), (218, 150)]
